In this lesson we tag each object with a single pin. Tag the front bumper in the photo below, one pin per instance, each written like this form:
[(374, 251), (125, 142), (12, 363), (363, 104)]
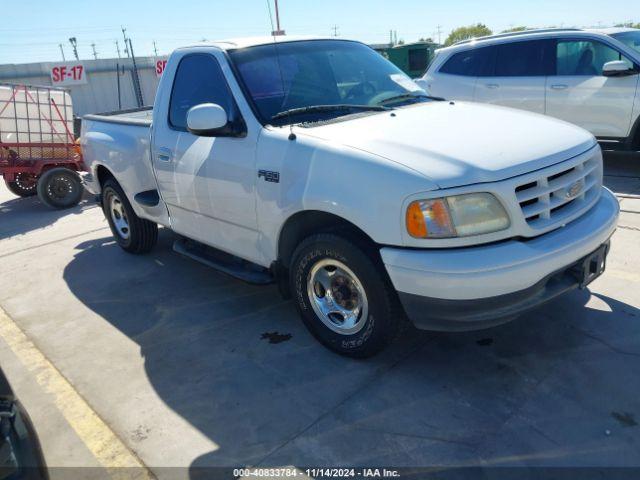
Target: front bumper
[(477, 287)]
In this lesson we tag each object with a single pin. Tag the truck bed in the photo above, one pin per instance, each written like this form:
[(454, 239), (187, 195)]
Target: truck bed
[(119, 142), (138, 116)]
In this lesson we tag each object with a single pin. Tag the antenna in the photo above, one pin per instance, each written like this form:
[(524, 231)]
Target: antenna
[(292, 136)]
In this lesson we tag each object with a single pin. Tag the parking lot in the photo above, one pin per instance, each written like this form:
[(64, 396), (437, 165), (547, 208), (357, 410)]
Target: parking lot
[(181, 366)]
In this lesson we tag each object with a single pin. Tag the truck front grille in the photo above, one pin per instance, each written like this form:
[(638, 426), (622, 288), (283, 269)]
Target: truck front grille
[(552, 198)]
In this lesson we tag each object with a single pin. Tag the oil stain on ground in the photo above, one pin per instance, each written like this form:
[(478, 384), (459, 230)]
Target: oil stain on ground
[(484, 342), (275, 337), (625, 419)]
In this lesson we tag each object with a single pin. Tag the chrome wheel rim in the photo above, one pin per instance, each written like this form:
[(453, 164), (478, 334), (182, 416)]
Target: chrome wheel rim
[(119, 217), (337, 296)]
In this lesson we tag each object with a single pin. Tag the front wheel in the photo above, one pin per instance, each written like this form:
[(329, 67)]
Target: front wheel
[(60, 188), (344, 296), (133, 234)]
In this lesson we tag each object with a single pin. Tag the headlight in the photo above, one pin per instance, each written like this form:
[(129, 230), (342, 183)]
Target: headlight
[(456, 216)]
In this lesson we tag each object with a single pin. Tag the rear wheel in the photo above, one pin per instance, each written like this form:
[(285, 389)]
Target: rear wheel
[(343, 295), (133, 234), (24, 184), (60, 188)]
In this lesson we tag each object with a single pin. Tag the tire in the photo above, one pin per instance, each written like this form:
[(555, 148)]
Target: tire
[(60, 188), (133, 234), (24, 185), (362, 313)]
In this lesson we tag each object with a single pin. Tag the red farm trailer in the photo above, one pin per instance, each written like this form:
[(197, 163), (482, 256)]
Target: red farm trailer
[(38, 151)]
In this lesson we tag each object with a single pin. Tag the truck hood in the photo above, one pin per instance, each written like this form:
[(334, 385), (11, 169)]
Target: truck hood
[(458, 143)]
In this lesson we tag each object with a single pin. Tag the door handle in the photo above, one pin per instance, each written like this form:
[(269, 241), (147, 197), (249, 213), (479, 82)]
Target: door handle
[(559, 87), (492, 85), (164, 155)]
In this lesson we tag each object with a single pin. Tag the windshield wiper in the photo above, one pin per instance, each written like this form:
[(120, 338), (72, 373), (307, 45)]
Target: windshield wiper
[(328, 108), (408, 96)]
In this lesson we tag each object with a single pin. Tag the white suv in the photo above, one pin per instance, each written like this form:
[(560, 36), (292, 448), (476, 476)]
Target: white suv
[(586, 77)]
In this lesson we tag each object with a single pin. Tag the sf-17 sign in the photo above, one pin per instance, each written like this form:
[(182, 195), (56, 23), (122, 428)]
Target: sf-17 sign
[(65, 74), (160, 66)]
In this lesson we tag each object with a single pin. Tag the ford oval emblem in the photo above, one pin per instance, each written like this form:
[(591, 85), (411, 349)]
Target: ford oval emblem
[(574, 189)]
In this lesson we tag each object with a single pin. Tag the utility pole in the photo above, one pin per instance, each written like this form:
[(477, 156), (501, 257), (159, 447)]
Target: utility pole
[(95, 54), (118, 48), (155, 48), (124, 36), (439, 31), (62, 52), (391, 38), (335, 30), (136, 78), (278, 30), (74, 45)]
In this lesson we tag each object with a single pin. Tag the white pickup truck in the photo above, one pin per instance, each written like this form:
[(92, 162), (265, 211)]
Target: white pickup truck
[(318, 165)]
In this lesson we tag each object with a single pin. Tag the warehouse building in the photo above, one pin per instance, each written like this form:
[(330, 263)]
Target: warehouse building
[(95, 85)]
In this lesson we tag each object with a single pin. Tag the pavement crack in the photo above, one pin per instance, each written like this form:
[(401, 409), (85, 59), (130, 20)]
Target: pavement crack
[(626, 227), (33, 247), (543, 435), (418, 436), (607, 344)]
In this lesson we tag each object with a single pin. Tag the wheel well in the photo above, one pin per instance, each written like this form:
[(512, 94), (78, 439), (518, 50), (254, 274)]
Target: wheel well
[(310, 222), (103, 174)]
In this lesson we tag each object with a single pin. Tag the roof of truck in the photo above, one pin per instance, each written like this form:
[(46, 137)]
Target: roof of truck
[(244, 42)]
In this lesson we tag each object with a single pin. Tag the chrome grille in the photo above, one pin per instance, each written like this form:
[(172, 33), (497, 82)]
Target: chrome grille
[(553, 197)]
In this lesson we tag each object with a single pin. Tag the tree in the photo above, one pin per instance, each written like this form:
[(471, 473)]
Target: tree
[(464, 33), (629, 25), (515, 29)]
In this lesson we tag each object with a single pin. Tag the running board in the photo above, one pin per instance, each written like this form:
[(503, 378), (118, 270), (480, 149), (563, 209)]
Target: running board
[(224, 262)]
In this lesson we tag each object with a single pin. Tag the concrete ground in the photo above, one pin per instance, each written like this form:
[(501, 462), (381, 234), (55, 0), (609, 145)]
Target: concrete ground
[(182, 365)]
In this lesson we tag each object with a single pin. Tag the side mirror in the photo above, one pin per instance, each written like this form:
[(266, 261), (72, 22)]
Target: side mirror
[(206, 119), (617, 68)]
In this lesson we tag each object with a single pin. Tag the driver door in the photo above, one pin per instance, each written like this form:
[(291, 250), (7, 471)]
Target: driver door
[(207, 182)]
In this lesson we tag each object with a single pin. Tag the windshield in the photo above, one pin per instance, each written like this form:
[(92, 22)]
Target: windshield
[(630, 39), (320, 73)]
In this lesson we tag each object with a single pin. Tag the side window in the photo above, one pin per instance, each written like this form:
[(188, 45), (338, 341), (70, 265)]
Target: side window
[(472, 63), (584, 57), (199, 79), (522, 59)]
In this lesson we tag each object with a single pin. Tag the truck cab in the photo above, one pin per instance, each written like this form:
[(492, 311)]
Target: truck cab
[(318, 165)]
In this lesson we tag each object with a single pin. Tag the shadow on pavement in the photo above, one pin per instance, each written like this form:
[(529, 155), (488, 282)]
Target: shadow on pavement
[(543, 389), (622, 172), (22, 215)]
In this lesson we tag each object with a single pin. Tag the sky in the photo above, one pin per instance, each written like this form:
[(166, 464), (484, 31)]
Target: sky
[(32, 33)]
